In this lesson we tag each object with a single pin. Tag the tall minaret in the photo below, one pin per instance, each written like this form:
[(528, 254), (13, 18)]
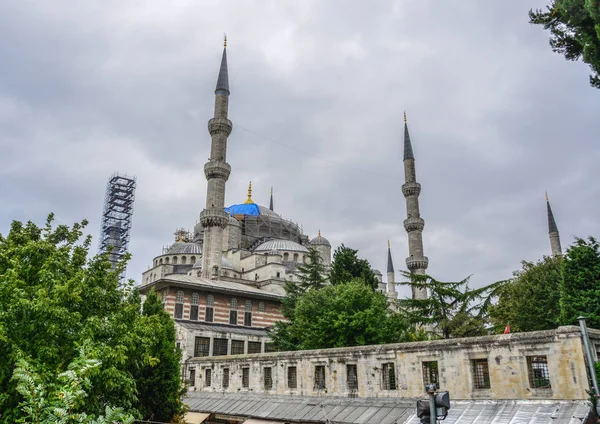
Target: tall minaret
[(391, 279), (213, 218), (416, 261), (553, 231)]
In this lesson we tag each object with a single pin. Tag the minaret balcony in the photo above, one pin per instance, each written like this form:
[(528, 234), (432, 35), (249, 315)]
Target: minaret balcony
[(414, 264), (414, 224), (411, 189), (219, 126), (213, 217), (216, 169)]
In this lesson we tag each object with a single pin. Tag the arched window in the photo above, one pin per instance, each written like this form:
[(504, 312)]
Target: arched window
[(286, 256), (179, 305), (210, 308), (194, 307), (192, 259), (261, 306), (174, 260), (295, 257), (248, 314), (160, 262), (304, 259), (183, 260), (155, 262), (166, 260), (233, 311)]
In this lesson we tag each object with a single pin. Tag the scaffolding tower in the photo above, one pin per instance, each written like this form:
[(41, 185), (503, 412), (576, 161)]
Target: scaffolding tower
[(116, 218)]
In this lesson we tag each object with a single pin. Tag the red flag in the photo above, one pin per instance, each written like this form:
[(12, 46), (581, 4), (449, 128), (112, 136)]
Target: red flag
[(507, 329)]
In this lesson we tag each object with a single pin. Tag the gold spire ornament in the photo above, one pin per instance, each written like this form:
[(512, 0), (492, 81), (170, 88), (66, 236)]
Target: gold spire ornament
[(249, 199), (319, 233), (388, 244), (224, 40), (405, 117), (547, 197)]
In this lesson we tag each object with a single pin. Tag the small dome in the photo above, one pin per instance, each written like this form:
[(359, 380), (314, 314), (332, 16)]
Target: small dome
[(285, 245), (377, 272), (226, 264), (319, 240), (181, 247)]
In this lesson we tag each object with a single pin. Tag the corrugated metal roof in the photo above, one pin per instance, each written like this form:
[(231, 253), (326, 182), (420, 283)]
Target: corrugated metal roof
[(218, 285), (200, 326), (311, 409), (284, 245)]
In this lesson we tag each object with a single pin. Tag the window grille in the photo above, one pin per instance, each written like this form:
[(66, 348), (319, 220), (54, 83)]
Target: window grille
[(201, 346), (179, 297), (192, 378), (237, 347), (178, 345), (261, 306), (210, 300), (539, 375), (207, 377), (210, 311), (179, 305), (481, 374), (220, 347), (269, 347), (268, 378), (319, 377), (233, 317), (194, 307), (351, 377), (389, 376), (225, 378), (254, 347), (431, 374), (246, 377), (248, 319), (248, 305), (195, 298), (233, 305), (292, 378)]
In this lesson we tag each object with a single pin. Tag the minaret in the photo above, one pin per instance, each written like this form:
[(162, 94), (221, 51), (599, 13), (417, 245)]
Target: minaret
[(271, 202), (416, 261), (391, 279), (217, 170), (553, 231)]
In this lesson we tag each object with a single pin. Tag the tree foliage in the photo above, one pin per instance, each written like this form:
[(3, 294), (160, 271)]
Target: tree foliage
[(530, 300), (54, 300), (574, 31), (347, 266)]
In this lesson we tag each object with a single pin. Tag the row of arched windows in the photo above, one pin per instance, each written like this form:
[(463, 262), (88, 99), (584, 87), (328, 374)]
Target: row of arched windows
[(175, 260)]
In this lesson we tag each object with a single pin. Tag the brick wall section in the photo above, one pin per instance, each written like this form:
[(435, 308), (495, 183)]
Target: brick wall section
[(222, 305)]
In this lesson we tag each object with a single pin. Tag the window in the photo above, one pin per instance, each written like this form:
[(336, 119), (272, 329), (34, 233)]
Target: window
[(430, 373), (539, 376), (237, 347), (178, 345), (286, 256), (233, 311), (183, 260), (225, 378), (246, 377), (261, 306), (481, 374), (319, 377), (295, 257), (174, 260), (166, 260), (207, 377), (268, 378), (179, 305), (248, 314), (351, 377), (193, 260), (201, 346), (388, 372), (278, 274), (210, 311), (220, 347), (192, 377), (269, 347), (160, 262), (292, 378), (254, 347), (194, 307)]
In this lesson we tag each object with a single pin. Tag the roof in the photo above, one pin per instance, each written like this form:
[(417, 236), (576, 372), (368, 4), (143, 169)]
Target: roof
[(251, 209), (284, 245), (312, 409), (320, 240), (390, 264), (223, 78), (552, 228), (184, 247), (234, 329), (408, 151)]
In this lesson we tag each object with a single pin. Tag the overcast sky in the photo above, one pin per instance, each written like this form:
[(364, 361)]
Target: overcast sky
[(317, 94)]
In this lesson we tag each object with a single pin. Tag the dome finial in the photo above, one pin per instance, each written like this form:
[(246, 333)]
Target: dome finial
[(249, 199), (224, 40), (389, 244), (405, 117), (319, 233), (547, 199)]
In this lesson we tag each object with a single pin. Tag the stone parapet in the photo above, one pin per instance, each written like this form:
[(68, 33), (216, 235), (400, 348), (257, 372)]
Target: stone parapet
[(414, 224), (213, 217), (417, 263), (219, 126), (216, 169), (411, 189)]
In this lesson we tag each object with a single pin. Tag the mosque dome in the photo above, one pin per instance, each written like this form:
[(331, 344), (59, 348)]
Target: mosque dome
[(319, 240), (250, 208), (377, 272), (285, 245), (183, 247)]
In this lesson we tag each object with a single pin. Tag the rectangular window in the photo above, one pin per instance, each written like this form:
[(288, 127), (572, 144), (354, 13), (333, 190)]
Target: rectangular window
[(269, 347), (192, 378), (319, 377), (178, 345), (254, 347), (268, 378), (201, 346), (207, 377), (388, 372), (248, 319), (237, 347), (178, 310), (537, 368), (246, 377), (233, 317), (210, 311), (225, 378), (430, 373), (292, 378), (220, 347), (351, 377), (481, 374), (194, 313)]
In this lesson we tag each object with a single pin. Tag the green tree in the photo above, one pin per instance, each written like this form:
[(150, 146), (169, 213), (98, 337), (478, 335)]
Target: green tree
[(574, 31), (580, 290), (347, 266), (311, 275), (53, 300), (530, 300), (452, 309)]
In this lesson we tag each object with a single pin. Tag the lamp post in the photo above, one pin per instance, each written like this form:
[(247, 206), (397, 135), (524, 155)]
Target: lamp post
[(590, 358)]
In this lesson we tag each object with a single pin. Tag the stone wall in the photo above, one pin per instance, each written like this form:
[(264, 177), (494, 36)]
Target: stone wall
[(504, 366)]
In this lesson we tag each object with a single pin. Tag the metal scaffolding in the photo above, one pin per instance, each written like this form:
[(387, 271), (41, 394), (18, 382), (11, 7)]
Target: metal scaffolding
[(116, 218)]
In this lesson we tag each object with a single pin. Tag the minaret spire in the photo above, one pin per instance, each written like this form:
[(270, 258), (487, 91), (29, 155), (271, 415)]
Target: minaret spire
[(271, 201), (553, 231), (391, 279), (217, 170), (416, 262)]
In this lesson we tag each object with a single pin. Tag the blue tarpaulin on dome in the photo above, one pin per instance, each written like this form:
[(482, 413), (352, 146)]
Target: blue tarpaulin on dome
[(243, 209)]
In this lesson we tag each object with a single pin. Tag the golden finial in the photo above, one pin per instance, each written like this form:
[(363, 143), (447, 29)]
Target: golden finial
[(405, 117), (271, 190), (389, 244), (319, 233), (547, 197), (249, 199), (180, 237), (224, 40)]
